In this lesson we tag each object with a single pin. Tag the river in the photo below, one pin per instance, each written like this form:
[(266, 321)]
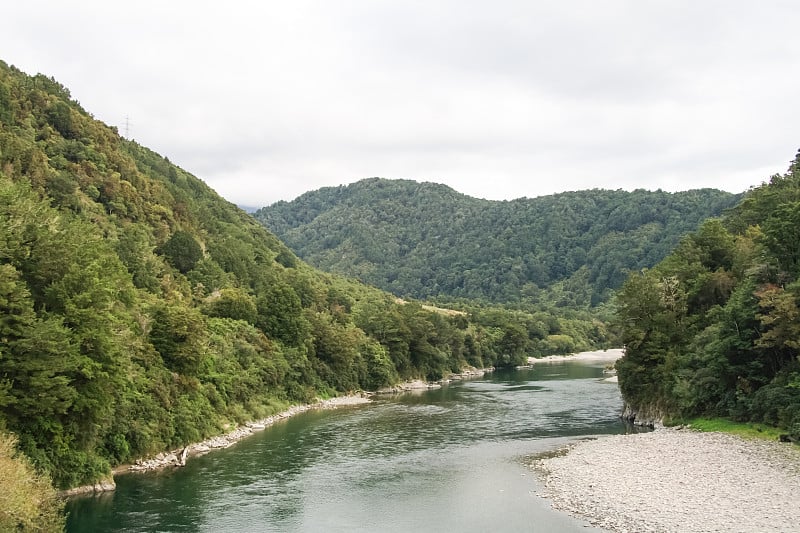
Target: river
[(451, 459)]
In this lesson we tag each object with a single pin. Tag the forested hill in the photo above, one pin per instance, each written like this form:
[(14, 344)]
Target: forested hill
[(714, 329), (139, 311), (427, 241)]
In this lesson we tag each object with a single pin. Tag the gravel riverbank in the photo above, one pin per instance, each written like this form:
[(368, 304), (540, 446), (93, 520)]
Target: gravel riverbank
[(677, 480)]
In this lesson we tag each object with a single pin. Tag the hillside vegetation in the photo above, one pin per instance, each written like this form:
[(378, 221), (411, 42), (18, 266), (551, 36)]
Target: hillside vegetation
[(426, 241), (714, 329), (28, 502), (140, 312)]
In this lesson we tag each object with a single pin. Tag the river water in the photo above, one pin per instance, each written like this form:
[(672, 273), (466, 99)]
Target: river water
[(452, 459)]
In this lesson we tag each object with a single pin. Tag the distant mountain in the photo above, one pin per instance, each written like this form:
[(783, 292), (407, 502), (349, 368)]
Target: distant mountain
[(425, 240)]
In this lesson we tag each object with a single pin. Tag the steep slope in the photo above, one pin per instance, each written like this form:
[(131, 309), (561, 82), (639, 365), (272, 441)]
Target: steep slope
[(139, 311), (713, 329), (425, 240)]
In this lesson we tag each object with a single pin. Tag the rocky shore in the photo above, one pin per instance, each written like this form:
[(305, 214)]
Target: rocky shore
[(420, 385), (104, 485), (178, 457), (677, 480)]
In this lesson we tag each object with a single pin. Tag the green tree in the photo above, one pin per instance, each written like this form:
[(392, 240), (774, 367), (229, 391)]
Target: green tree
[(179, 335), (513, 345), (60, 116), (779, 316), (280, 314), (782, 236), (651, 311), (5, 104), (232, 303), (182, 251), (137, 254)]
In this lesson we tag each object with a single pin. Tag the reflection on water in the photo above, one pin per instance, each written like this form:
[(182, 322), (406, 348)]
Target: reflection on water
[(446, 459)]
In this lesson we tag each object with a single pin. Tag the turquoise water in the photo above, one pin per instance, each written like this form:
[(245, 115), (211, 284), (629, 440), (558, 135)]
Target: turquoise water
[(451, 459)]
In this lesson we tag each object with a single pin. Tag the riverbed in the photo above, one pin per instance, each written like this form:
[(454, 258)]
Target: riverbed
[(450, 459), (679, 480)]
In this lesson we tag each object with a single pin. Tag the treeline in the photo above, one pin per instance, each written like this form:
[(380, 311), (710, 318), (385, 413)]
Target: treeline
[(140, 312), (714, 329), (427, 241)]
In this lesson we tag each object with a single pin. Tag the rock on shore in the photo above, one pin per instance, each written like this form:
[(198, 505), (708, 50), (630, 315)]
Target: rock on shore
[(104, 485), (420, 385), (677, 480), (178, 457)]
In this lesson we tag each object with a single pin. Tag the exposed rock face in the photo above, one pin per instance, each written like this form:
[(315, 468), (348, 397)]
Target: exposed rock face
[(420, 385), (104, 485), (408, 386), (647, 416)]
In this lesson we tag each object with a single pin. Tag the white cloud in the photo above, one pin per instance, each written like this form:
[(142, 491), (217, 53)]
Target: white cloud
[(266, 100)]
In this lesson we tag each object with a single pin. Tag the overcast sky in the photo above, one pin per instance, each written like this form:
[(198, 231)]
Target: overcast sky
[(502, 99)]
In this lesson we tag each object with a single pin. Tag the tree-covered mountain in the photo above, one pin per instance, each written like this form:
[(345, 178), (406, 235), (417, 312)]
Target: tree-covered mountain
[(139, 311), (714, 328), (424, 240)]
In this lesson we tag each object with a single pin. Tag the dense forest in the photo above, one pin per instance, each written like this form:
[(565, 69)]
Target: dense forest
[(139, 311), (424, 240), (714, 329)]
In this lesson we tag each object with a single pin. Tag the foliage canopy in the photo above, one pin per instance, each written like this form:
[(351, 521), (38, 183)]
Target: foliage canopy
[(713, 329), (426, 241)]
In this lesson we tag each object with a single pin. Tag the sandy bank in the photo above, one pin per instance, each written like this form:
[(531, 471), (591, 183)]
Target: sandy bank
[(677, 480), (598, 355)]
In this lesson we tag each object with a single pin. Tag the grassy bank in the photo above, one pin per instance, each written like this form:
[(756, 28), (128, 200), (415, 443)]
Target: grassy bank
[(741, 429)]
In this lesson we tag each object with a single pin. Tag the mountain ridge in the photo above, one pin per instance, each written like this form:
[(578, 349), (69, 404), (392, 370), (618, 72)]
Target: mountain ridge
[(426, 240)]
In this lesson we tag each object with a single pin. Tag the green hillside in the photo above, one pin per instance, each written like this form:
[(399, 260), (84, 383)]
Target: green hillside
[(139, 311), (424, 240), (714, 328)]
